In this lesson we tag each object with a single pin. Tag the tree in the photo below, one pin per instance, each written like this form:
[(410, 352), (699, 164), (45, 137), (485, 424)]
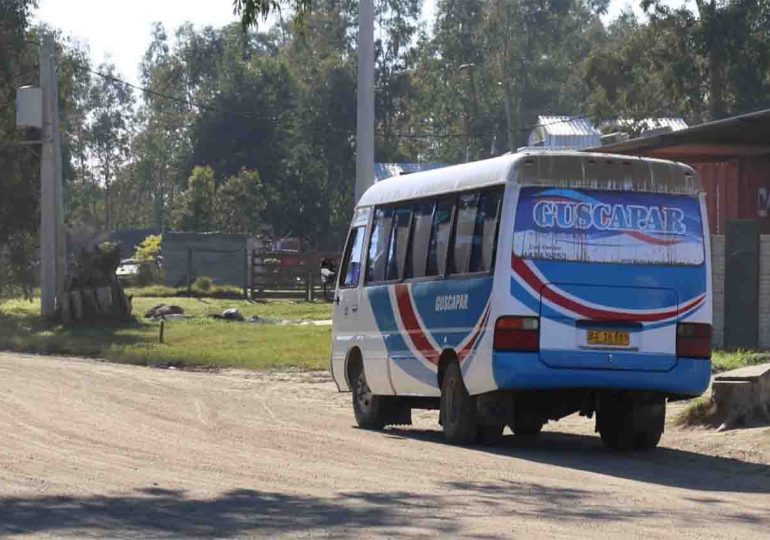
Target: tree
[(240, 203), (19, 180), (251, 11), (110, 107), (195, 207)]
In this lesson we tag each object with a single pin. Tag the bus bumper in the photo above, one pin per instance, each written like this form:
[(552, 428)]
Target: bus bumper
[(525, 371)]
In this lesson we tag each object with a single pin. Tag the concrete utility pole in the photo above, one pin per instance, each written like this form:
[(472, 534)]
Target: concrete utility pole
[(52, 241), (365, 124)]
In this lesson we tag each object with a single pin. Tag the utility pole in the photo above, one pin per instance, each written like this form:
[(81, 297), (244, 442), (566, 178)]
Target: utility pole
[(365, 123), (52, 241)]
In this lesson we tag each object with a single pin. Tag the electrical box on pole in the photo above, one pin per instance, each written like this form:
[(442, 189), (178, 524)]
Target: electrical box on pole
[(29, 107)]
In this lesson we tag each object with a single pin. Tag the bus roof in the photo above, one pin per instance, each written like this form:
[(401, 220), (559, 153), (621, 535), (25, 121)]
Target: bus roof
[(555, 168)]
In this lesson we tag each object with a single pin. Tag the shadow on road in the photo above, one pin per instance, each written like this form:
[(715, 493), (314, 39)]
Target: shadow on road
[(157, 512), (662, 466)]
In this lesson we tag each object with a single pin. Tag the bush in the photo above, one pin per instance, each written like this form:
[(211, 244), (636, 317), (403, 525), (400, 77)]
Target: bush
[(148, 274), (150, 249), (202, 285)]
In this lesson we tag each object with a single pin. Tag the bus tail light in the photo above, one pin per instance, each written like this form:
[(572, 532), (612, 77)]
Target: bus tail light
[(520, 334), (693, 340)]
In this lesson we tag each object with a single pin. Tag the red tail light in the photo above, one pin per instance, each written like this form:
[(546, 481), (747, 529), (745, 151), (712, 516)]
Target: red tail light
[(693, 340), (521, 334)]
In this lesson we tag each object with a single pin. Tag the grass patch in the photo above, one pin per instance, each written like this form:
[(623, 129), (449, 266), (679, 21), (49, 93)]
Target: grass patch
[(725, 361), (198, 342), (161, 291), (699, 412), (204, 307)]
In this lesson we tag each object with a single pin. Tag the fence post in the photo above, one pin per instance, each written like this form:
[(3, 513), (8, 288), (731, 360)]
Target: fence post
[(309, 276), (189, 271), (246, 273)]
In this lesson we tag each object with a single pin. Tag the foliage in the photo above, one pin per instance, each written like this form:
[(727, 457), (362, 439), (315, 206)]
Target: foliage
[(19, 167), (202, 285), (728, 360), (195, 207), (149, 249), (240, 203), (251, 11)]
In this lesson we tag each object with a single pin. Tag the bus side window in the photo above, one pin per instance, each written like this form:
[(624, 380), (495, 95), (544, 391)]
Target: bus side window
[(485, 235), (351, 266), (417, 256), (465, 229), (439, 237), (378, 245), (399, 241)]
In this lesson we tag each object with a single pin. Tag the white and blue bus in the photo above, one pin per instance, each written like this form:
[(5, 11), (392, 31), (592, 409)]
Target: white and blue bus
[(522, 289)]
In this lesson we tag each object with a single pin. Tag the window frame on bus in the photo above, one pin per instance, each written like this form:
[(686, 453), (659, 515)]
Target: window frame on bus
[(434, 200), (348, 254)]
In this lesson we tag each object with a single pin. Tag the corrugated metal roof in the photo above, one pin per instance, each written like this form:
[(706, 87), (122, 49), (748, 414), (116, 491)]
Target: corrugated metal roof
[(566, 132), (388, 170), (649, 127), (746, 131)]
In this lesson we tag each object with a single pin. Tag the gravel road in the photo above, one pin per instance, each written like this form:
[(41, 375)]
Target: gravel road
[(94, 449)]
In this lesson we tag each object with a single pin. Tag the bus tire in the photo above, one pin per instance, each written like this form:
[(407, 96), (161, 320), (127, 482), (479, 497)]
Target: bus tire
[(630, 424), (370, 410), (458, 409), (521, 429), (491, 435)]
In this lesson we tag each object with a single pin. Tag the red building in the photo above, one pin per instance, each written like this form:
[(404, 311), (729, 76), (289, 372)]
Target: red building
[(732, 157)]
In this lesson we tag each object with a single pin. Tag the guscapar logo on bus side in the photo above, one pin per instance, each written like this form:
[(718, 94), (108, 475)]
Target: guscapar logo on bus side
[(452, 302), (565, 209)]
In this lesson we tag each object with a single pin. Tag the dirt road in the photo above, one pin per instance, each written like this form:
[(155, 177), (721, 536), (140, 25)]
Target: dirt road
[(120, 451)]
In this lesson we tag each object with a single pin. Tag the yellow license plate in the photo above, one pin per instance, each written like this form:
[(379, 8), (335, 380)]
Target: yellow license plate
[(611, 338)]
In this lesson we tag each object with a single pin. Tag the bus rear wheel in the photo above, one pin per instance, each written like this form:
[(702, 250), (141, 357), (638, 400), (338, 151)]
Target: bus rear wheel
[(631, 424), (458, 409), (370, 410)]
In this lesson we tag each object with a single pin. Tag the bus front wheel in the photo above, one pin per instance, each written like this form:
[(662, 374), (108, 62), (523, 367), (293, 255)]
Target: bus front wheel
[(370, 409)]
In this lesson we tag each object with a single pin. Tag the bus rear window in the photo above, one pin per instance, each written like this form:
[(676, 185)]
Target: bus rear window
[(608, 227)]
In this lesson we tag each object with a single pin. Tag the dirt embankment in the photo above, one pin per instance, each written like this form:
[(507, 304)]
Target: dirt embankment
[(123, 451)]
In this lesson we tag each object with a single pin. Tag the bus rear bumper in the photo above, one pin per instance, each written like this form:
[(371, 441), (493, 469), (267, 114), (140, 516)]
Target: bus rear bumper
[(525, 371)]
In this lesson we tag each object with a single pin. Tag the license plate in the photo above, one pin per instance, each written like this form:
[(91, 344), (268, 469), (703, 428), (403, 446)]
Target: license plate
[(609, 338)]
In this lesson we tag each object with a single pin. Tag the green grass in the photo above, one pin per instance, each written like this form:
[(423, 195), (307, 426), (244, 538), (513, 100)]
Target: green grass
[(202, 307), (199, 342), (161, 291), (725, 361)]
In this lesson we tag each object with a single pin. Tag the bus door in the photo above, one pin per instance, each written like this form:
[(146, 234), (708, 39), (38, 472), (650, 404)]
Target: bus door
[(347, 302)]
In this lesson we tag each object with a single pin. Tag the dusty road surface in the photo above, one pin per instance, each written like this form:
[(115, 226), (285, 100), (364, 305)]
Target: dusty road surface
[(92, 449)]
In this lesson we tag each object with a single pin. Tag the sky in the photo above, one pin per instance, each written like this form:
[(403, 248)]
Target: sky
[(119, 31)]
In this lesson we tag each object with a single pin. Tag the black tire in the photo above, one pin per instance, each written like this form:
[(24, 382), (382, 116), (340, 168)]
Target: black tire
[(631, 424), (527, 429), (458, 409), (491, 435), (370, 410)]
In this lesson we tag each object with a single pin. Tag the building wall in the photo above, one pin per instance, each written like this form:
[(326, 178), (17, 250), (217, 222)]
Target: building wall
[(737, 189), (215, 255)]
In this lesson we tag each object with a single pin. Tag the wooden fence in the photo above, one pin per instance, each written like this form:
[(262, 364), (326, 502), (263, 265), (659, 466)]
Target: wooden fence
[(290, 275)]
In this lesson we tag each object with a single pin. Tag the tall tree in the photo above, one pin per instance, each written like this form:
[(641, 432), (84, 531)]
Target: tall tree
[(19, 181), (110, 109), (195, 207)]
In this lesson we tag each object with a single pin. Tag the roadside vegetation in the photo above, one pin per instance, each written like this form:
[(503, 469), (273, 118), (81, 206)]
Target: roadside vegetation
[(197, 342), (725, 361)]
